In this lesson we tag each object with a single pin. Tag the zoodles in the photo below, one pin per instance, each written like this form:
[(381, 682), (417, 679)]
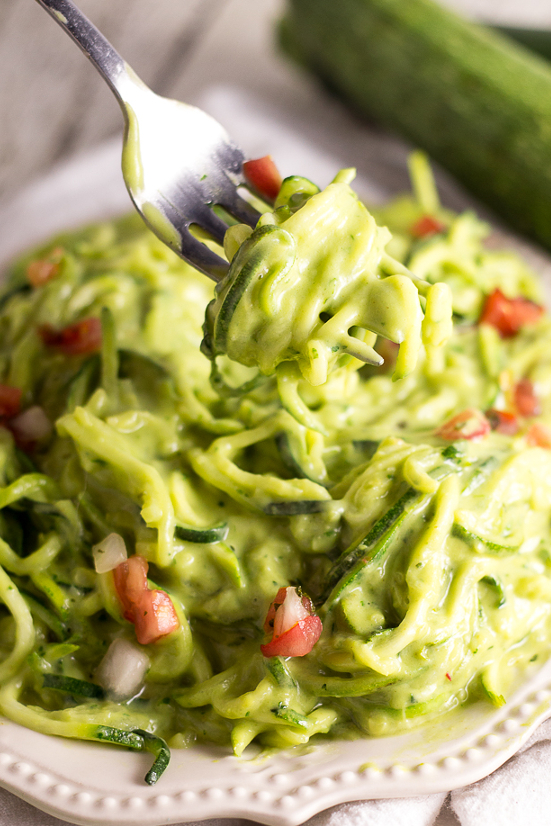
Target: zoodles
[(401, 500)]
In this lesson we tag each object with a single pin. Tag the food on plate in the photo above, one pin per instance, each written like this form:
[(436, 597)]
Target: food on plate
[(212, 550), (313, 282), (476, 101)]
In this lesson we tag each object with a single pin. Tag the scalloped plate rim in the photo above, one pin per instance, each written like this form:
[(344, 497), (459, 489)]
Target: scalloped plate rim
[(275, 798)]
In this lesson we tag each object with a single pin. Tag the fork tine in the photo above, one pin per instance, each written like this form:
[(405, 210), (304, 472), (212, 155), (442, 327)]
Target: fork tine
[(207, 220), (202, 258), (191, 162), (192, 250), (239, 208)]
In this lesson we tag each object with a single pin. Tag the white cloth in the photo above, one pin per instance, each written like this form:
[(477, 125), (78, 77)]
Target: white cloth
[(519, 793)]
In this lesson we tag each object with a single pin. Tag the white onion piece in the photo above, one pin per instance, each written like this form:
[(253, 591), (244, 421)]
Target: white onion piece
[(289, 612), (109, 553), (31, 425), (122, 670)]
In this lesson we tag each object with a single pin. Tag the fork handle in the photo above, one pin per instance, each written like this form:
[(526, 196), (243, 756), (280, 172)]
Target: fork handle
[(95, 46)]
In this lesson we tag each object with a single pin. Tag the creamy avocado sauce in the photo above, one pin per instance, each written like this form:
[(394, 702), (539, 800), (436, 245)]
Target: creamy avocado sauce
[(299, 460), (313, 284), (132, 166)]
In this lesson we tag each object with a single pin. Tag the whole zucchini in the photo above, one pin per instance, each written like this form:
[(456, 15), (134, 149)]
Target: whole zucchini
[(477, 102)]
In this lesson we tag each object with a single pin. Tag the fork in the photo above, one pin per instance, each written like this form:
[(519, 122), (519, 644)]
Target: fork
[(178, 162)]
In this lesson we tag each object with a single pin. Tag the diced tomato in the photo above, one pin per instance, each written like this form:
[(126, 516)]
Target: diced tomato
[(469, 424), (151, 611), (294, 626), (131, 583), (41, 270), (154, 617), (426, 226), (76, 339), (539, 435), (297, 641), (509, 315), (270, 616), (502, 421), (10, 401), (526, 401), (263, 175)]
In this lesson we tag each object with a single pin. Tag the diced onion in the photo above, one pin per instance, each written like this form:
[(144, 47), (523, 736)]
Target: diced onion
[(109, 553), (31, 425), (290, 612), (122, 670)]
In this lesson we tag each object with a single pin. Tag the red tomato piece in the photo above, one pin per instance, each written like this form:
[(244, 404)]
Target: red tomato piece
[(426, 226), (469, 424), (297, 641), (539, 436), (270, 616), (294, 627), (503, 422), (509, 315), (151, 611), (41, 270), (131, 583), (10, 401), (154, 617), (263, 175), (74, 340), (526, 401)]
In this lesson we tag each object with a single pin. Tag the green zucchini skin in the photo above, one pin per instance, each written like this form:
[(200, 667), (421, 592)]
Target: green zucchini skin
[(537, 40), (477, 102), (480, 544), (369, 549), (159, 749), (294, 507), (204, 536), (290, 716), (71, 685)]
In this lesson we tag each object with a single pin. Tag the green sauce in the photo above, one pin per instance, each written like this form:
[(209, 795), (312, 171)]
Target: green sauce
[(313, 285), (429, 562), (131, 158)]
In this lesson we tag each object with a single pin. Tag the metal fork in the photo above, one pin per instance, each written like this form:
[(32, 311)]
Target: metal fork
[(178, 162)]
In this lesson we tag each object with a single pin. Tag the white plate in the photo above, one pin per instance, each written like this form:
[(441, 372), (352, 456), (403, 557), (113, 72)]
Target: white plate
[(87, 783)]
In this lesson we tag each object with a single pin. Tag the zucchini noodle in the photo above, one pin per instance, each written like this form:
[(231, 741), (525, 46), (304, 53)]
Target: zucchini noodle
[(305, 437)]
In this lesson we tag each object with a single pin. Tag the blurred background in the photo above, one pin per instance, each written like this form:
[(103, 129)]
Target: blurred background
[(54, 106)]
